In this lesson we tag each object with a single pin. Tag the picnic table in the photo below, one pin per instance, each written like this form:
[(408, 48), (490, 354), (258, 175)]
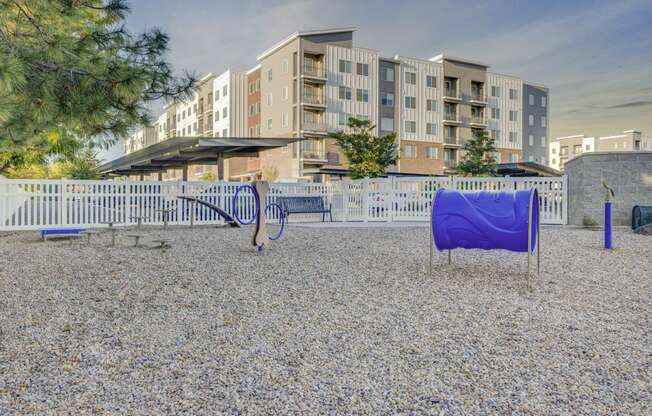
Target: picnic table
[(112, 229)]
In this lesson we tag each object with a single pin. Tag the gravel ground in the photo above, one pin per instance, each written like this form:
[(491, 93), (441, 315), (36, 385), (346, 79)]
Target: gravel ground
[(327, 321)]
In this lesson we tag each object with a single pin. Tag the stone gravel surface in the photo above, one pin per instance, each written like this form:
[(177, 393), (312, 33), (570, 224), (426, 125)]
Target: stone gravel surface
[(326, 321)]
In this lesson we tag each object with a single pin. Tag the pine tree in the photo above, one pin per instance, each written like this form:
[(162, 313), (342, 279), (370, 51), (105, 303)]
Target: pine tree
[(479, 157), (368, 155), (70, 73)]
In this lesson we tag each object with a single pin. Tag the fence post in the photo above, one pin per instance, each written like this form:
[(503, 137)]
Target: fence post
[(391, 197), (564, 200), (365, 199), (452, 182), (61, 203)]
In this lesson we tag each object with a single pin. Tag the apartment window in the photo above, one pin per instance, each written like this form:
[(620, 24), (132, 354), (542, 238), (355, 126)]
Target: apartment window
[(544, 101), (217, 97), (345, 66), (431, 152), (344, 93), (563, 151), (269, 124), (587, 147), (543, 141), (544, 121), (531, 140), (270, 99), (411, 78), (252, 108), (183, 114), (513, 115), (431, 105), (410, 151), (495, 91), (225, 133), (513, 137), (285, 119), (577, 149), (513, 94), (362, 117), (495, 134), (343, 119), (362, 69), (495, 113), (258, 84), (431, 128), (251, 91), (362, 95), (285, 66), (387, 99), (530, 120), (531, 99), (388, 74), (179, 117), (387, 124), (225, 112), (513, 157), (553, 161), (225, 90), (431, 81), (286, 93), (410, 126), (258, 107), (410, 102), (270, 74)]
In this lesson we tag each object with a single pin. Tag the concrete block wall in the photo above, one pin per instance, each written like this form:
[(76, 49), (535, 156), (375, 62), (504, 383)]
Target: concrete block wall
[(629, 173)]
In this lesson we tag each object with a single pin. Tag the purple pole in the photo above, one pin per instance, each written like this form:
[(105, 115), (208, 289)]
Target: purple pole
[(607, 225)]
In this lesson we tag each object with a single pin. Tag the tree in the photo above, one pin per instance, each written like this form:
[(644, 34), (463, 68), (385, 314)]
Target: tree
[(479, 157), (69, 72), (368, 155)]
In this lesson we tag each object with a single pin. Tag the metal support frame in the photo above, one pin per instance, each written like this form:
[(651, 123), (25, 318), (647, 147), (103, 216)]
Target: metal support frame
[(529, 239)]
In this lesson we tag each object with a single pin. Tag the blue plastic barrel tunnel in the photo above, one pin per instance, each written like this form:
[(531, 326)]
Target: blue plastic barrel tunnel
[(486, 220)]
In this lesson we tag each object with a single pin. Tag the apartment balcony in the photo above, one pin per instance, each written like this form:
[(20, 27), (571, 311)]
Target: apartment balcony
[(312, 151), (333, 158), (451, 117), (452, 141), (478, 120), (311, 99), (450, 164), (478, 97), (452, 94), (316, 72), (313, 127)]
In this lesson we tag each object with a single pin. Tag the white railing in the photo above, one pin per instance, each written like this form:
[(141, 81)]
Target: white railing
[(32, 204)]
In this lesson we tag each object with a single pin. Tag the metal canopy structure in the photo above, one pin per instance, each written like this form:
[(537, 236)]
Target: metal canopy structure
[(180, 152)]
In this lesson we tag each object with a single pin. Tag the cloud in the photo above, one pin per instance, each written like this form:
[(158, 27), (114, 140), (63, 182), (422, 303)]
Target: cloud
[(632, 104)]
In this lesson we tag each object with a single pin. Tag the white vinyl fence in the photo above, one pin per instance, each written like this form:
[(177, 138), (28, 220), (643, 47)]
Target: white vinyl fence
[(34, 204)]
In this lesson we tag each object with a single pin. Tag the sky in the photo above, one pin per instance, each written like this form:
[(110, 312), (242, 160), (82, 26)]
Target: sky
[(594, 56)]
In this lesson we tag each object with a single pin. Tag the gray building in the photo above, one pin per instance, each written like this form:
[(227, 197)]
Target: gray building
[(535, 123)]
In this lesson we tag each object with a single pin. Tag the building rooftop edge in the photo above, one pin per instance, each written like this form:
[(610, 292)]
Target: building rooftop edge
[(299, 34)]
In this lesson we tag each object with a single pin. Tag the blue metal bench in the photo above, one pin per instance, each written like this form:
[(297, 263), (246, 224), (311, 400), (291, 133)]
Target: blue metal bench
[(305, 205), (63, 232)]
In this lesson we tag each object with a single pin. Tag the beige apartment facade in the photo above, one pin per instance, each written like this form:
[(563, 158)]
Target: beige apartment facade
[(310, 83)]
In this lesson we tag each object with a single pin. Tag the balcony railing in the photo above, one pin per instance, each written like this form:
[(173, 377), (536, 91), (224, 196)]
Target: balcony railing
[(314, 70), (312, 98), (478, 119), (478, 96), (450, 164), (313, 154), (458, 141), (313, 125), (333, 158), (450, 116), (451, 93)]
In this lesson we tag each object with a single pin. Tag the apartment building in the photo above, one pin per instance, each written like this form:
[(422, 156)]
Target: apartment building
[(217, 109), (562, 149), (309, 84)]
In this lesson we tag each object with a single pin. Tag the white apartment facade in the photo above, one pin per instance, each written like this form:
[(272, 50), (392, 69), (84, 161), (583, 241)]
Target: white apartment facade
[(562, 149)]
